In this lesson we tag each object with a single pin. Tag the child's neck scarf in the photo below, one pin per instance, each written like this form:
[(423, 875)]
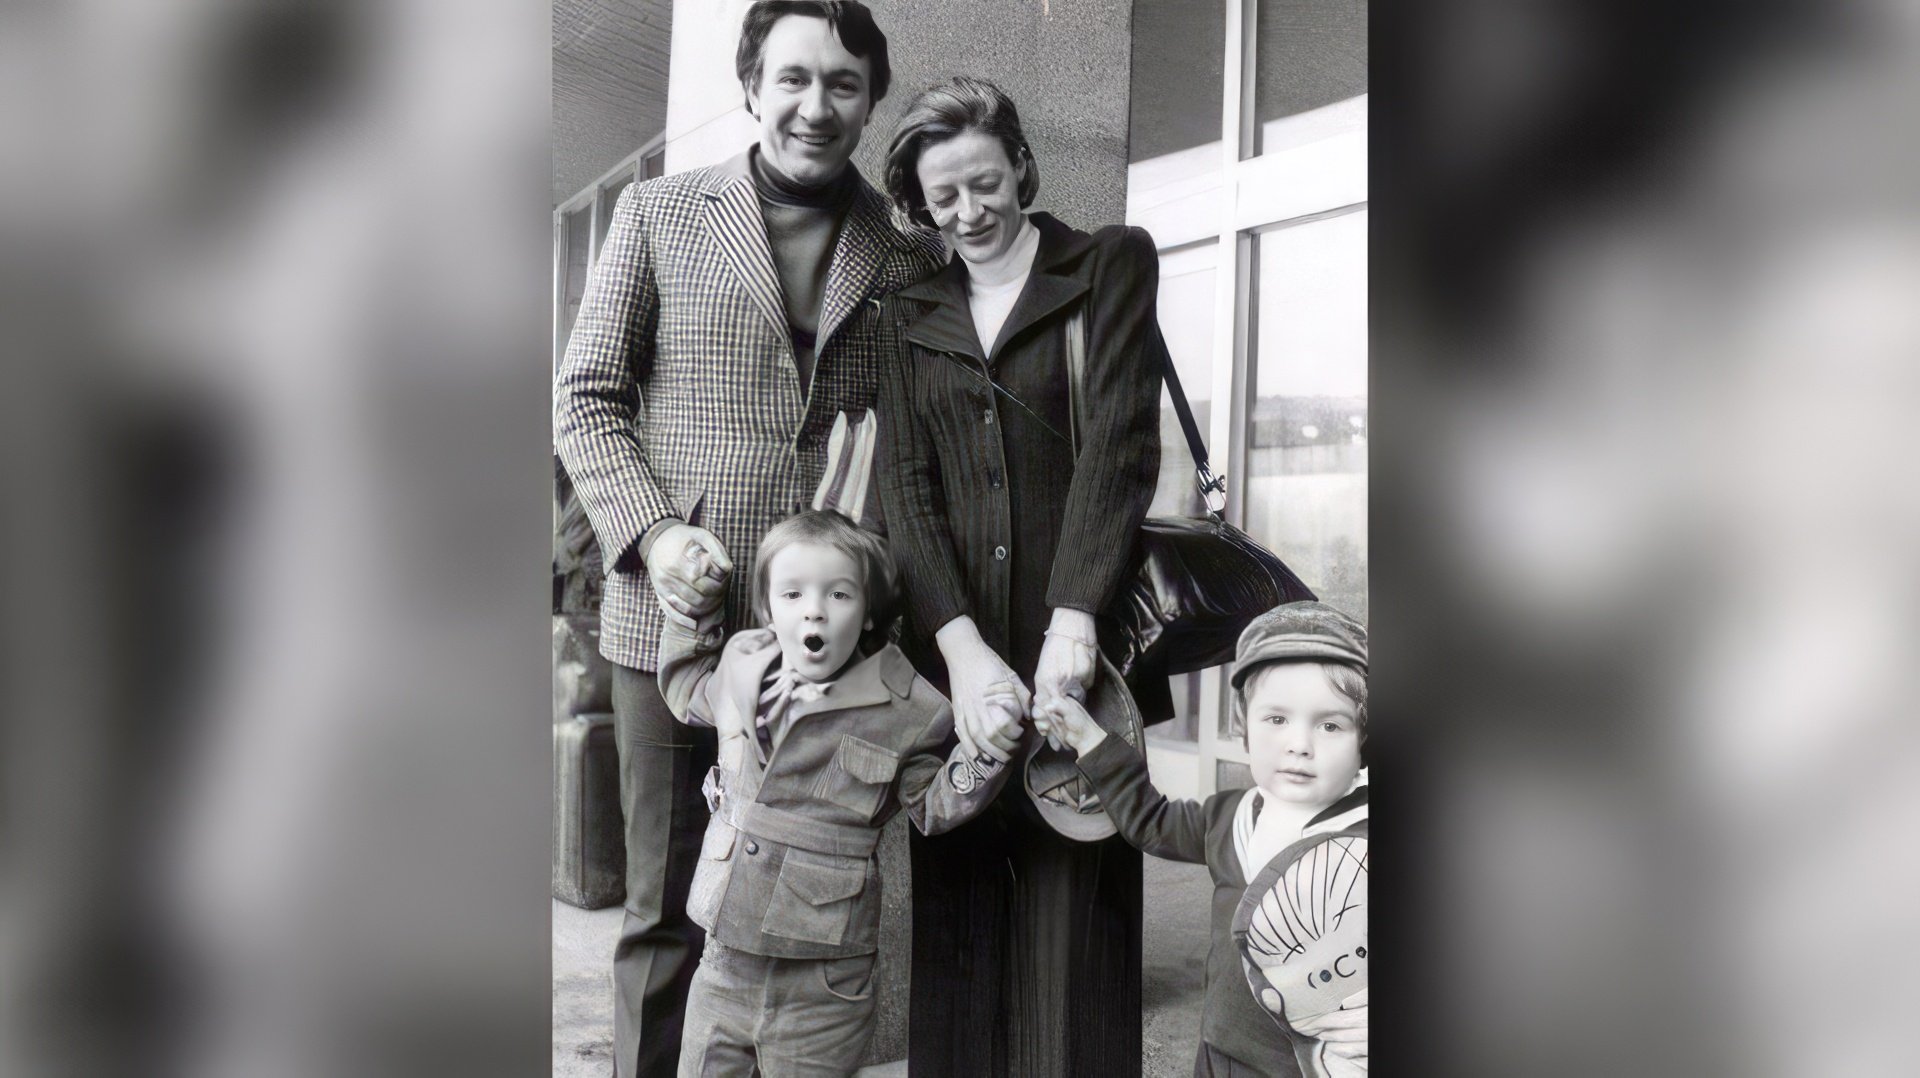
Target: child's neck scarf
[(782, 688)]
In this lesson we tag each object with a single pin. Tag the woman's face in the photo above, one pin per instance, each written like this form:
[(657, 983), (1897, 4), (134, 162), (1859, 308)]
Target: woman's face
[(973, 194)]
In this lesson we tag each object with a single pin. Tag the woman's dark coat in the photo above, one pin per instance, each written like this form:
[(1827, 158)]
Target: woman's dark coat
[(989, 512), (1026, 945)]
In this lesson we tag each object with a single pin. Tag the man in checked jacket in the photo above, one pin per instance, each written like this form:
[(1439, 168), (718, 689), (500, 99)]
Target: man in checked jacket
[(731, 316)]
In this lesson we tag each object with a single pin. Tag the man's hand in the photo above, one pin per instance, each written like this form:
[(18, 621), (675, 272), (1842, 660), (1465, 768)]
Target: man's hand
[(1066, 658), (974, 674), (1064, 718), (689, 570)]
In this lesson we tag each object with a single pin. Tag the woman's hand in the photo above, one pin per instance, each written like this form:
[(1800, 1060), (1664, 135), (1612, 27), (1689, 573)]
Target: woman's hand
[(975, 673), (1066, 659), (1064, 718)]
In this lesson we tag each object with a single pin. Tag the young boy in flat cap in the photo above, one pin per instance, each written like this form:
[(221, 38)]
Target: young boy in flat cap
[(1300, 689)]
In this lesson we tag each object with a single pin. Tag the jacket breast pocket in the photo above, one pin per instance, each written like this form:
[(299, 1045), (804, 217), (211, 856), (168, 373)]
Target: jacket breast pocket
[(858, 776), (815, 897)]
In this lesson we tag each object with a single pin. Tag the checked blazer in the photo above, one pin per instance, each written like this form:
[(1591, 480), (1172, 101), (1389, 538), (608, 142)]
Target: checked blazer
[(679, 398)]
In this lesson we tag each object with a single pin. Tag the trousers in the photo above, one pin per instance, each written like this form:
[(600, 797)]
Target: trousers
[(777, 1017), (661, 765)]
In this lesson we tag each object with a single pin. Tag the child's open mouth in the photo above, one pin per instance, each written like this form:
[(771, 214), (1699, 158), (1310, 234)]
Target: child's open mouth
[(814, 643)]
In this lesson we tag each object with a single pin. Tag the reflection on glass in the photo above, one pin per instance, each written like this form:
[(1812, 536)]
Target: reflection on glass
[(579, 226), (1305, 486), (609, 197), (1185, 309), (1307, 54), (1179, 50)]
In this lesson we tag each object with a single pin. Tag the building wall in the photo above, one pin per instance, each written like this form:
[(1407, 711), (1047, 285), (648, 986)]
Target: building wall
[(1064, 62)]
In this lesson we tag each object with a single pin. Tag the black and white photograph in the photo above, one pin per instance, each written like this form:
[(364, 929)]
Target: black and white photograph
[(960, 561)]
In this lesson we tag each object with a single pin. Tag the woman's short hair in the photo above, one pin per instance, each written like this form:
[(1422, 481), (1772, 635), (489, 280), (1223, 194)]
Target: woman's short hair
[(851, 22), (868, 551), (943, 111)]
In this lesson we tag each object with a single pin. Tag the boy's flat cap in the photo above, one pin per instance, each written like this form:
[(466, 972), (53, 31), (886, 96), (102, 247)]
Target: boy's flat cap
[(1310, 631)]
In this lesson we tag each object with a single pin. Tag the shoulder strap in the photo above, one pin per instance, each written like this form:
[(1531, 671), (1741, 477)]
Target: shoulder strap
[(1213, 488)]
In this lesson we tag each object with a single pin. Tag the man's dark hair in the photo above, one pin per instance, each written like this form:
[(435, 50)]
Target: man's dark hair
[(850, 20), (944, 111)]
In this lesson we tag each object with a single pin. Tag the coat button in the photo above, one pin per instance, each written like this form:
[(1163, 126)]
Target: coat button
[(752, 847), (987, 416), (993, 480), (999, 553)]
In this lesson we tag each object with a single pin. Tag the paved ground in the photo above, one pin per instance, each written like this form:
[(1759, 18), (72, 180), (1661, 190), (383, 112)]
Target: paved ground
[(1177, 899)]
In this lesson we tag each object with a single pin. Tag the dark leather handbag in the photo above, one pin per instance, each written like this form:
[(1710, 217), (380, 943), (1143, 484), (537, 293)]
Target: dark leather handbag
[(1200, 580)]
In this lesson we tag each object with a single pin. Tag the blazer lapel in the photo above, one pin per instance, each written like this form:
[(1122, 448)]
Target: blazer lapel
[(865, 239), (733, 216)]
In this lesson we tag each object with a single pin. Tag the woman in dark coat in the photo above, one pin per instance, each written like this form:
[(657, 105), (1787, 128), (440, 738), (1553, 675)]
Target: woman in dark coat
[(1026, 944)]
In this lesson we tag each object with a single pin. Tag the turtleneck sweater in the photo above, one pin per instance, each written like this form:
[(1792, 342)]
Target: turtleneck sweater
[(994, 286), (803, 224)]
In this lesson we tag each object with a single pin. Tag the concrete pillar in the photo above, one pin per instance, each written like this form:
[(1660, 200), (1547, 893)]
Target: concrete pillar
[(1066, 64)]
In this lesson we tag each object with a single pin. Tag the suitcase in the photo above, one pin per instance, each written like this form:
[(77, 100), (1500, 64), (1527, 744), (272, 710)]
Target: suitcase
[(589, 840), (582, 677)]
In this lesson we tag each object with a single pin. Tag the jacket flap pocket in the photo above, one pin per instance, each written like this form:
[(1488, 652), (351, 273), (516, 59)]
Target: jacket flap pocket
[(718, 845), (867, 761), (822, 884)]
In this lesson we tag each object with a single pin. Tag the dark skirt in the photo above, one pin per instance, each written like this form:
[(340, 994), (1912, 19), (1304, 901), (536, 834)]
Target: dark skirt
[(1026, 951)]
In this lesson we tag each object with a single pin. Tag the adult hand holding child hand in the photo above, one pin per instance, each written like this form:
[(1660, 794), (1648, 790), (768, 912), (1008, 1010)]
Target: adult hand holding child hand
[(976, 674), (1063, 717), (689, 569)]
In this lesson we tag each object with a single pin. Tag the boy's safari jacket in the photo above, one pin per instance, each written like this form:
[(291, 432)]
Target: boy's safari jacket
[(788, 867)]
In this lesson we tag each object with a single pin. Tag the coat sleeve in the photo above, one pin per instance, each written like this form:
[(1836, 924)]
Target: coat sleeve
[(1146, 818), (687, 664), (931, 801), (1119, 456), (911, 494), (598, 390)]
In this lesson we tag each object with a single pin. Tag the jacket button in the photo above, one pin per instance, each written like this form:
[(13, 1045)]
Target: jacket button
[(987, 416), (993, 480), (999, 553), (752, 847)]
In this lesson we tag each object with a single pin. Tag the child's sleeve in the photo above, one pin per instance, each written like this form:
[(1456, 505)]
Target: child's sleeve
[(1174, 830), (933, 802), (687, 663)]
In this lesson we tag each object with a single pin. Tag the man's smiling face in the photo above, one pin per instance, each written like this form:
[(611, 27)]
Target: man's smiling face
[(813, 100)]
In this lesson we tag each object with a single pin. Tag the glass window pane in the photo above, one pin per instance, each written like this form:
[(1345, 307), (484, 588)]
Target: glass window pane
[(1185, 309), (1308, 54), (609, 197), (1179, 53), (1231, 775), (1306, 486), (654, 165), (579, 225)]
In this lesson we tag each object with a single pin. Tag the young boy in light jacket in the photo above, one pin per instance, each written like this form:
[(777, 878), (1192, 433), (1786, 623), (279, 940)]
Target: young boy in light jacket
[(825, 732)]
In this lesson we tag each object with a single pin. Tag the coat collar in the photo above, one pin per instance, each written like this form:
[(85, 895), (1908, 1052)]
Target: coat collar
[(948, 325), (875, 679), (867, 238)]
